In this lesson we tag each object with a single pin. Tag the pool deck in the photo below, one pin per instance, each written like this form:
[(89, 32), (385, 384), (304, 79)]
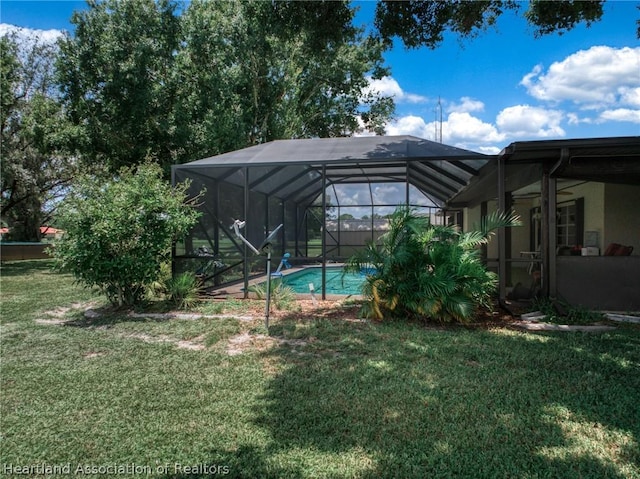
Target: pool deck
[(236, 289)]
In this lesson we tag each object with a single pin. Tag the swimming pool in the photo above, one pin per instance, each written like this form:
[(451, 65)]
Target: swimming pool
[(350, 283)]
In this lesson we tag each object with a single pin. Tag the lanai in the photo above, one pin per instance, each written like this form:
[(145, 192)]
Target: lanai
[(280, 181)]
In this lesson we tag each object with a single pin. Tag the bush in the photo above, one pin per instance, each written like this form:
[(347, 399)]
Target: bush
[(184, 290), (118, 232), (426, 270), (282, 296)]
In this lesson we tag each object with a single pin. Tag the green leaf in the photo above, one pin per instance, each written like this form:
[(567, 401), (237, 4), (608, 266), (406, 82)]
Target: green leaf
[(119, 231)]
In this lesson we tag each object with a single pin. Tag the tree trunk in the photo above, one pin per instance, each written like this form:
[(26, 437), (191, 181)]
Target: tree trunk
[(26, 223)]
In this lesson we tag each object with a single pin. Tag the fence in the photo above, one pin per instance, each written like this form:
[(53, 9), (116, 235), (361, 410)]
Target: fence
[(20, 251)]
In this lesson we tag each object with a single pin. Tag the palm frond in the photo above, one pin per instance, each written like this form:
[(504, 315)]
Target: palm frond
[(473, 239), (498, 219)]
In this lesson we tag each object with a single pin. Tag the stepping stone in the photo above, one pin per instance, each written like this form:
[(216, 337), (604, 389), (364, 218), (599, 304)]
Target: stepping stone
[(596, 328), (622, 318), (534, 316)]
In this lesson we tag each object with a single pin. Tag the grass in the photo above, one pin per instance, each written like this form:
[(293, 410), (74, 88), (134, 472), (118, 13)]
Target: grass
[(319, 398)]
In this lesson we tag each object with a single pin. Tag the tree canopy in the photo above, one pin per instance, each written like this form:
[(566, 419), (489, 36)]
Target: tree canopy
[(147, 78), (147, 82), (156, 79), (116, 79), (36, 144), (424, 23)]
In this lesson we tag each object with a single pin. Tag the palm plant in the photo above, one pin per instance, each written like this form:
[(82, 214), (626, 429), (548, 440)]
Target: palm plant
[(184, 290), (418, 269), (282, 295)]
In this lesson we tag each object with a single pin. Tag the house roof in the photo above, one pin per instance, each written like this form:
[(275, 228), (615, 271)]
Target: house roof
[(292, 169), (49, 230), (45, 230)]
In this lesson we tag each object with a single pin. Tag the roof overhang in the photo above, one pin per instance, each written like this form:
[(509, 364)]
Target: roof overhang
[(609, 160)]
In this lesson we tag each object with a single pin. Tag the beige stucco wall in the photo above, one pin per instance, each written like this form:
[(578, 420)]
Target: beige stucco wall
[(471, 217), (622, 221), (612, 210), (520, 235)]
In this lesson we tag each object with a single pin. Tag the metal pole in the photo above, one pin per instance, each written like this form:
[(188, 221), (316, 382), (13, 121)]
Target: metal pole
[(502, 234), (245, 253), (267, 306), (324, 232), (549, 232), (173, 243), (553, 238), (407, 177)]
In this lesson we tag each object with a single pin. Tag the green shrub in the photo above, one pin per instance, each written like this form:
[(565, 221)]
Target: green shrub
[(282, 296), (118, 232), (425, 270), (183, 290), (158, 288)]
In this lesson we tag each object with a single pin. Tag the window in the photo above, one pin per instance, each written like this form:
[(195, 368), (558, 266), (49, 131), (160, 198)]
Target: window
[(569, 224)]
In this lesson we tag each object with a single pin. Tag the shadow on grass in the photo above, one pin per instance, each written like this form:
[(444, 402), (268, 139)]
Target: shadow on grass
[(397, 400), (27, 267), (108, 316), (246, 462)]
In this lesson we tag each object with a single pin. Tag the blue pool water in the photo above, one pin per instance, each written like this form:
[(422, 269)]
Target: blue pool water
[(350, 283)]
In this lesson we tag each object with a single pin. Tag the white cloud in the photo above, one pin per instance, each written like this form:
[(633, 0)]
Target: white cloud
[(574, 119), (30, 35), (467, 105), (352, 195), (465, 128), (459, 129), (388, 86), (620, 114), (524, 121), (411, 125), (489, 150), (630, 96), (388, 194), (594, 79)]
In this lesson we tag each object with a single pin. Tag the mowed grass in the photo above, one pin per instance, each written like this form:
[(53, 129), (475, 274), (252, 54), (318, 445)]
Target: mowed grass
[(317, 398)]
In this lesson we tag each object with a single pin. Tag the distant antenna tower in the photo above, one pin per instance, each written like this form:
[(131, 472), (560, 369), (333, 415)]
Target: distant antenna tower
[(438, 122)]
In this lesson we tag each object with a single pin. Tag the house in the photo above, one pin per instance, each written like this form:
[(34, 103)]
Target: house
[(570, 194), (47, 232), (11, 251), (51, 233), (576, 198)]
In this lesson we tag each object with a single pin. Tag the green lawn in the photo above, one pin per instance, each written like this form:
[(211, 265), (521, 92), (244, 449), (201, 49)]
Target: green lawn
[(319, 398)]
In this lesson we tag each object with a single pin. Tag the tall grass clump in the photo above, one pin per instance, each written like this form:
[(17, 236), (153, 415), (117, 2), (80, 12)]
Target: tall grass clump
[(282, 296), (184, 290)]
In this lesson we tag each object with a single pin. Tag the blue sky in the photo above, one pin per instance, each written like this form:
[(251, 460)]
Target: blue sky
[(499, 87)]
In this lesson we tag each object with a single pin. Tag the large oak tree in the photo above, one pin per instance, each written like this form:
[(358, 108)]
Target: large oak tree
[(144, 81), (257, 71), (116, 78), (36, 141)]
